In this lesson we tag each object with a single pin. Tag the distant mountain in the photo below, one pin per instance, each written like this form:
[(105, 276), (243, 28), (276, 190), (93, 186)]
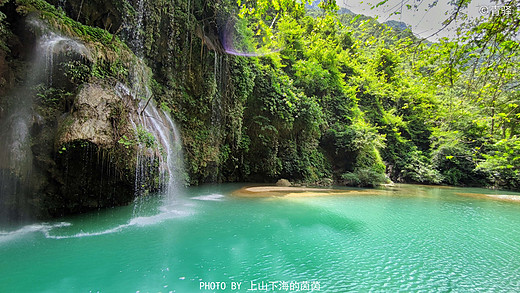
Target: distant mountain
[(314, 5), (398, 25), (343, 10)]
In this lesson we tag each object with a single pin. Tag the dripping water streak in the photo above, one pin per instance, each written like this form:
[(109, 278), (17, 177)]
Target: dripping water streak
[(168, 153)]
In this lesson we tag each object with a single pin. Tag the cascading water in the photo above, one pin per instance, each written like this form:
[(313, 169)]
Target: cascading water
[(216, 113), (134, 28), (16, 157), (51, 46), (167, 153), (15, 161), (164, 129), (165, 149)]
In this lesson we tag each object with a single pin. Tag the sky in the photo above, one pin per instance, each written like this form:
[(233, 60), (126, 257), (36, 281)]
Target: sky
[(425, 21)]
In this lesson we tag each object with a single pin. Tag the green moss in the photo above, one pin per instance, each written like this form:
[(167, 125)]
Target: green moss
[(62, 22), (5, 33), (110, 56), (76, 71)]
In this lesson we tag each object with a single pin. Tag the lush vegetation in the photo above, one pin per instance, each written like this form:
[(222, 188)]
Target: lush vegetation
[(343, 96), (271, 89)]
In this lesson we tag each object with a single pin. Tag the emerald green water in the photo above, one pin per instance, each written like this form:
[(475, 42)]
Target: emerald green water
[(411, 238)]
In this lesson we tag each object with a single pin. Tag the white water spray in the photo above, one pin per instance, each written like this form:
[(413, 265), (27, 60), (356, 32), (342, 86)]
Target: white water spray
[(52, 45), (168, 150), (16, 157), (159, 123)]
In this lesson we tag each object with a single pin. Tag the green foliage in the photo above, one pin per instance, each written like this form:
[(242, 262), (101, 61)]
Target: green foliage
[(5, 33), (364, 177), (418, 168), (146, 138), (457, 161), (387, 65), (282, 129), (503, 163), (354, 150), (52, 97), (126, 142), (329, 6), (142, 137), (330, 95), (105, 69), (76, 71)]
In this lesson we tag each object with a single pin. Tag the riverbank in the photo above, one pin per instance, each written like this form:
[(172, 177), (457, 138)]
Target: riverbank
[(500, 197), (292, 191), (282, 191)]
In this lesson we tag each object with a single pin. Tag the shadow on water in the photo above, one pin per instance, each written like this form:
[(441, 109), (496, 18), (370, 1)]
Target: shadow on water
[(306, 216)]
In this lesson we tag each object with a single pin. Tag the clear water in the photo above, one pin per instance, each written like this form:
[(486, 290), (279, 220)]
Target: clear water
[(409, 239)]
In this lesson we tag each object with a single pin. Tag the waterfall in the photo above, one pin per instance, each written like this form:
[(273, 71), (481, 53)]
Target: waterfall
[(52, 45), (159, 123), (15, 148), (216, 114), (134, 27), (16, 157), (168, 151), (138, 32), (19, 122)]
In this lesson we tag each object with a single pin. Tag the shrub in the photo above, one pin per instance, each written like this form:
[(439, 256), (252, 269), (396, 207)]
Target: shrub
[(418, 169), (364, 177), (503, 164)]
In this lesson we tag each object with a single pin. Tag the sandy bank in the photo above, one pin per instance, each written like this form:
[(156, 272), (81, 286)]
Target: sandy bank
[(279, 191), (501, 197)]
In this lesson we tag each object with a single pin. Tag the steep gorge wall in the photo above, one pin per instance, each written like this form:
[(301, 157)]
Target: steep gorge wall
[(204, 89), (231, 129), (242, 119), (233, 111), (63, 82)]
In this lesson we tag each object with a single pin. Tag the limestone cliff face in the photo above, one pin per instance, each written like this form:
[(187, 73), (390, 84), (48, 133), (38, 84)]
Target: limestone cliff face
[(181, 42), (94, 117), (94, 169), (81, 118), (83, 141)]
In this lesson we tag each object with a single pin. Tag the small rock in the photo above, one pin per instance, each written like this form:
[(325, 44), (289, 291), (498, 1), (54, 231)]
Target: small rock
[(327, 182), (283, 182)]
